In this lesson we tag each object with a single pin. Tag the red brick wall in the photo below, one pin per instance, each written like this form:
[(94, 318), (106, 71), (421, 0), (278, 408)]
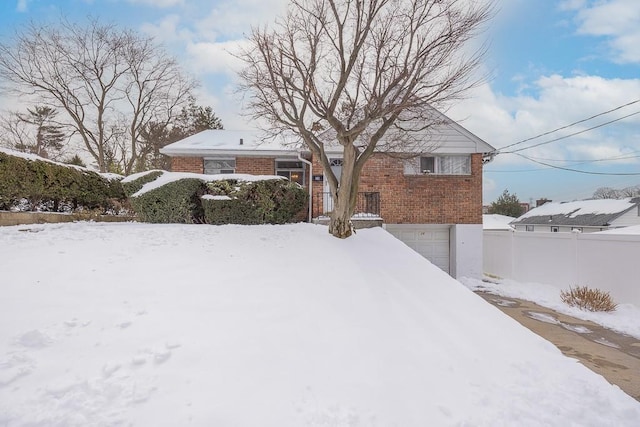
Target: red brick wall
[(421, 199), (187, 164), (256, 165)]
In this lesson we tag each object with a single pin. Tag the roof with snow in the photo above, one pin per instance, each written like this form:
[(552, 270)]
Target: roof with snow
[(496, 222), (583, 213), (230, 142), (438, 134)]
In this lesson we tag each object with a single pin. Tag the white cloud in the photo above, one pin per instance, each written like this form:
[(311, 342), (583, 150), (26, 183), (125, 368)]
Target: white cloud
[(22, 5), (502, 121), (215, 57), (619, 20), (169, 30), (233, 18), (572, 4)]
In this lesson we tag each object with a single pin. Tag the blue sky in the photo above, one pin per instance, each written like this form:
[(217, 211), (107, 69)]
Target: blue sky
[(551, 63)]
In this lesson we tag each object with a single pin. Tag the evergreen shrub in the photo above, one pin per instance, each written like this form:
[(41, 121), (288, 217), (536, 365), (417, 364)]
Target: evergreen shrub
[(275, 201), (51, 187), (175, 202)]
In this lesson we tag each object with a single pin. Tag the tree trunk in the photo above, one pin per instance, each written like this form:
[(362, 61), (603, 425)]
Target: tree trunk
[(344, 197), (340, 224)]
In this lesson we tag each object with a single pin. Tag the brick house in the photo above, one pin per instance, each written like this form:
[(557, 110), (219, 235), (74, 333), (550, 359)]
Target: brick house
[(432, 201)]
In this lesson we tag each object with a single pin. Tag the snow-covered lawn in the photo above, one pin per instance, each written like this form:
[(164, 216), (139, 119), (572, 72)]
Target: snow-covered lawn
[(169, 325)]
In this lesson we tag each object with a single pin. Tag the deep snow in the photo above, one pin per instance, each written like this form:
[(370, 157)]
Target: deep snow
[(173, 325)]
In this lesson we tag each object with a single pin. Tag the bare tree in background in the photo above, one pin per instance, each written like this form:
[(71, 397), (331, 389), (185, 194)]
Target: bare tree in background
[(612, 193), (36, 131), (109, 82), (348, 71)]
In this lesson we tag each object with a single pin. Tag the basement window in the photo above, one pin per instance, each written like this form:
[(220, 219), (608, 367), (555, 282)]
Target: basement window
[(438, 165), (219, 166)]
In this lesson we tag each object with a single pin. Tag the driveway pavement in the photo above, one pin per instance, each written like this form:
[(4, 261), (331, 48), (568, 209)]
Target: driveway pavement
[(613, 355)]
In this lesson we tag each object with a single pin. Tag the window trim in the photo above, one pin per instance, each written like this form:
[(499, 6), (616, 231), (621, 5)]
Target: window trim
[(301, 169), (414, 166)]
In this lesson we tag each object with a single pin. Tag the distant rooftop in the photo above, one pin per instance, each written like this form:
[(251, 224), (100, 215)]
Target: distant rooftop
[(579, 213)]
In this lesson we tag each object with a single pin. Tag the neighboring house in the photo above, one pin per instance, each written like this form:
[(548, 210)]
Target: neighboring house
[(430, 197), (497, 222), (581, 216)]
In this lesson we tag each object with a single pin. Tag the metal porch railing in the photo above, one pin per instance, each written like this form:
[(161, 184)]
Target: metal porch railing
[(367, 204)]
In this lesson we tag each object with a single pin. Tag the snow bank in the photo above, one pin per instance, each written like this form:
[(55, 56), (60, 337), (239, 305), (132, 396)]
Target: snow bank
[(172, 325)]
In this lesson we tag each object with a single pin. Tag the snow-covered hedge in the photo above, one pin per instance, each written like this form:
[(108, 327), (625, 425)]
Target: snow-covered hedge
[(134, 183), (50, 186), (274, 201), (174, 202), (216, 199)]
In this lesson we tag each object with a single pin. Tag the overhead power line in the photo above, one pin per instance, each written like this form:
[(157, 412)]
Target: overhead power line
[(570, 135), (568, 126), (578, 170)]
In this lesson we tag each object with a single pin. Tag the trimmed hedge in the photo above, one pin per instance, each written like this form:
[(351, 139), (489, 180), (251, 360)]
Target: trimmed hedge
[(53, 187), (131, 187), (275, 201), (175, 202)]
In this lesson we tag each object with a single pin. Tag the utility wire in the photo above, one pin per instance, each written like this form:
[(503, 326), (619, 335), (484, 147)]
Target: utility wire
[(577, 170), (568, 126), (623, 156), (570, 135)]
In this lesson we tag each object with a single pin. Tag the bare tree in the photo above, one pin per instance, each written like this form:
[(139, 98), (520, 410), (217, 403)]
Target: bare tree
[(110, 82), (606, 193), (36, 132), (349, 71), (612, 193)]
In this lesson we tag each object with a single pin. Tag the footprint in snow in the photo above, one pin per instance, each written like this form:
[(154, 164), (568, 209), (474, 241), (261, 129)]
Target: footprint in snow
[(33, 339), (14, 367)]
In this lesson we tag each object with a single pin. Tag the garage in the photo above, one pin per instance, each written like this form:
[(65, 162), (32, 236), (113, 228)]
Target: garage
[(430, 241)]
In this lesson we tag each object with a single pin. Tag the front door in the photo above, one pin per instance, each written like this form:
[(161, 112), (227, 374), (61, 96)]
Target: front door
[(327, 200)]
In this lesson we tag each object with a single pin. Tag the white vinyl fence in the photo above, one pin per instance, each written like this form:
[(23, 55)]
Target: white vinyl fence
[(610, 262)]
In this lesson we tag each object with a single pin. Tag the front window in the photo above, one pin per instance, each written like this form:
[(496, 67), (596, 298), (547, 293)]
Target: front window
[(555, 229), (529, 227), (439, 165), (291, 169), (219, 166)]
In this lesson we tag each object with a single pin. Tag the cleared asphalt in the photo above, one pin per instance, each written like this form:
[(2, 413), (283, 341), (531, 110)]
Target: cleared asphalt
[(613, 355)]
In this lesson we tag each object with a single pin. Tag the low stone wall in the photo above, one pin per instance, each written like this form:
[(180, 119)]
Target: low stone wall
[(20, 218)]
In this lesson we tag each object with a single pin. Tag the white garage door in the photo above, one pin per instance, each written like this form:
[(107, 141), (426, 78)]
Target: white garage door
[(430, 241)]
